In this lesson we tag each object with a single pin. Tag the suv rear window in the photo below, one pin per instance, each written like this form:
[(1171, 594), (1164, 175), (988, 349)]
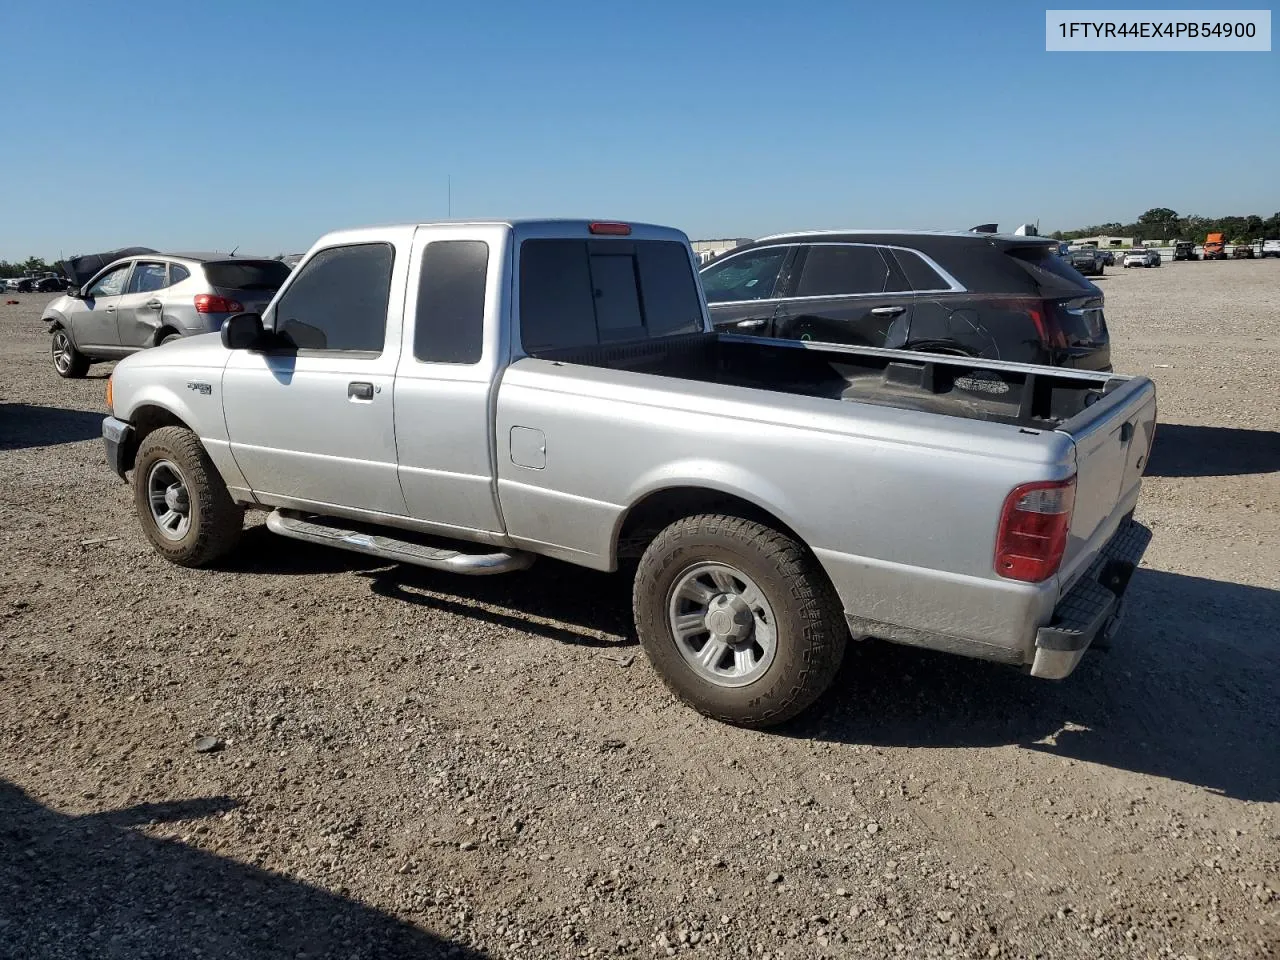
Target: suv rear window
[(585, 292), (1054, 276), (247, 274)]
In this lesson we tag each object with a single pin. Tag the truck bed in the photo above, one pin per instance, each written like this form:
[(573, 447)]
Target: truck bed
[(993, 391)]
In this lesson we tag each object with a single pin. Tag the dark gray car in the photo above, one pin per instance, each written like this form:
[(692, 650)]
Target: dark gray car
[(1088, 260), (148, 299)]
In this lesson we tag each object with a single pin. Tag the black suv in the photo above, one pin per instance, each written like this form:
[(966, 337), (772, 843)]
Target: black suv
[(978, 294)]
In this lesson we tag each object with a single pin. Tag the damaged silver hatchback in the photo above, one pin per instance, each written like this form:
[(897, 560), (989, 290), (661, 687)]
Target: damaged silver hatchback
[(127, 300)]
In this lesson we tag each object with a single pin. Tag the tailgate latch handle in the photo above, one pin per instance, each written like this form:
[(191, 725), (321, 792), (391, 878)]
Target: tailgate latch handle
[(1126, 433)]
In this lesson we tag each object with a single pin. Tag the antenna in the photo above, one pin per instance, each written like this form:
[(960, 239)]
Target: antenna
[(233, 250), (449, 216)]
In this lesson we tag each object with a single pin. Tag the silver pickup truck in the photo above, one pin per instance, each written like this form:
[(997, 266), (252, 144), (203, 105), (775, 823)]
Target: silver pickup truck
[(467, 396)]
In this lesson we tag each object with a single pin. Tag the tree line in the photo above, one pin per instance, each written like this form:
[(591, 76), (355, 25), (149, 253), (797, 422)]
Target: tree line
[(32, 266), (1161, 223)]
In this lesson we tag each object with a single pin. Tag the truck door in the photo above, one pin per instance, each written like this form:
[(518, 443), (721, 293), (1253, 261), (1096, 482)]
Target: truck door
[(446, 379), (311, 422)]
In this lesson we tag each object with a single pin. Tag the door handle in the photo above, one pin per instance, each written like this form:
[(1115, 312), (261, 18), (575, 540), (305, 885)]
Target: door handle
[(887, 311), (111, 309), (359, 391), (750, 324), (154, 304)]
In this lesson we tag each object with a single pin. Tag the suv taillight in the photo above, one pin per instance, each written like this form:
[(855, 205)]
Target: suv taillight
[(1041, 315), (212, 303), (1033, 529)]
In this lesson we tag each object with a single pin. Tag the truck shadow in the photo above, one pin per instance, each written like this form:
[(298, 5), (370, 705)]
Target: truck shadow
[(89, 886), (261, 551), (23, 425), (1188, 692), (551, 599), (1182, 450), (558, 601)]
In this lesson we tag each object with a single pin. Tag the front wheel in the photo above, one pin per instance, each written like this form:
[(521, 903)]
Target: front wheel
[(738, 619), (181, 501), (69, 362)]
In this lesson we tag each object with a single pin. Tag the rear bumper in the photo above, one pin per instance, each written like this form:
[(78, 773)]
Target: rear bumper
[(116, 435), (1091, 609)]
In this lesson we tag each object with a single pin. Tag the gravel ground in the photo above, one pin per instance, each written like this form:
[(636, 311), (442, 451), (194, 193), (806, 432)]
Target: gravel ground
[(414, 764)]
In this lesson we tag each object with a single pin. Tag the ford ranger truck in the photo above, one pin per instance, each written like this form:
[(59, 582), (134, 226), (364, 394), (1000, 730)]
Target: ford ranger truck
[(470, 397)]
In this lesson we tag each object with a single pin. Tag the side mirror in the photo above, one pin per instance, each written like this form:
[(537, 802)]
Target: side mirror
[(242, 331), (75, 293)]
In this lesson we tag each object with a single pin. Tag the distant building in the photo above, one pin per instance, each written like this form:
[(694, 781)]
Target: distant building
[(708, 250), (1106, 241)]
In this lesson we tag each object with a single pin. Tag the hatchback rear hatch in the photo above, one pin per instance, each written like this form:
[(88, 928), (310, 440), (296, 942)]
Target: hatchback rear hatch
[(250, 283)]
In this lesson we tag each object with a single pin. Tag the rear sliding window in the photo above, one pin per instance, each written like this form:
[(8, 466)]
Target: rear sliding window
[(585, 292), (247, 274)]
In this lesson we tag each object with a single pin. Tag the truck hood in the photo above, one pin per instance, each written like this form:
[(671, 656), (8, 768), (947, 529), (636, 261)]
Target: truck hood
[(204, 351)]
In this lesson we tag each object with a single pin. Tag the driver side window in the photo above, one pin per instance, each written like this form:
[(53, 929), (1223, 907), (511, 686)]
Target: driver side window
[(338, 300), (748, 276), (109, 284)]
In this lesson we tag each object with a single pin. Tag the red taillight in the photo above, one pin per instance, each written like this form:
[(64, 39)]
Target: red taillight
[(1033, 529), (1051, 335), (212, 303), (609, 229), (1041, 315)]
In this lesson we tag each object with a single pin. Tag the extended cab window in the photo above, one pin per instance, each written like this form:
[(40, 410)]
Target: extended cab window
[(450, 317), (339, 300), (841, 269), (583, 292), (747, 276)]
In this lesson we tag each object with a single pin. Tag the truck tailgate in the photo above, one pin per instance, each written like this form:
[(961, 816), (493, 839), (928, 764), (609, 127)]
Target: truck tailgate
[(1113, 439)]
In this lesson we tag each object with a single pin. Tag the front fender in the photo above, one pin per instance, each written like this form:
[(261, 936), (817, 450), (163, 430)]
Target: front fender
[(183, 398), (56, 317)]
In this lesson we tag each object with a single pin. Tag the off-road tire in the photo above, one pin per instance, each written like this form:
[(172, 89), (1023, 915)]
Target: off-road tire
[(811, 631), (216, 520)]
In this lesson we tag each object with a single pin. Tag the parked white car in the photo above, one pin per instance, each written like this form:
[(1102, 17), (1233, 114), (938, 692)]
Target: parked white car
[(1271, 248), (1141, 258)]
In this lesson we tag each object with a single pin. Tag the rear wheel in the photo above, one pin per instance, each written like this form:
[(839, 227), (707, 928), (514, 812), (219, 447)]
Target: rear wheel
[(738, 619), (169, 338), (181, 501), (69, 362)]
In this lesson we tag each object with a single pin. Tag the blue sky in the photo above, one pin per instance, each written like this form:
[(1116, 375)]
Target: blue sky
[(265, 124)]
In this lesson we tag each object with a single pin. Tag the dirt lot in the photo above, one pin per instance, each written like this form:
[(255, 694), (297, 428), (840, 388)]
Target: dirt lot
[(487, 768)]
